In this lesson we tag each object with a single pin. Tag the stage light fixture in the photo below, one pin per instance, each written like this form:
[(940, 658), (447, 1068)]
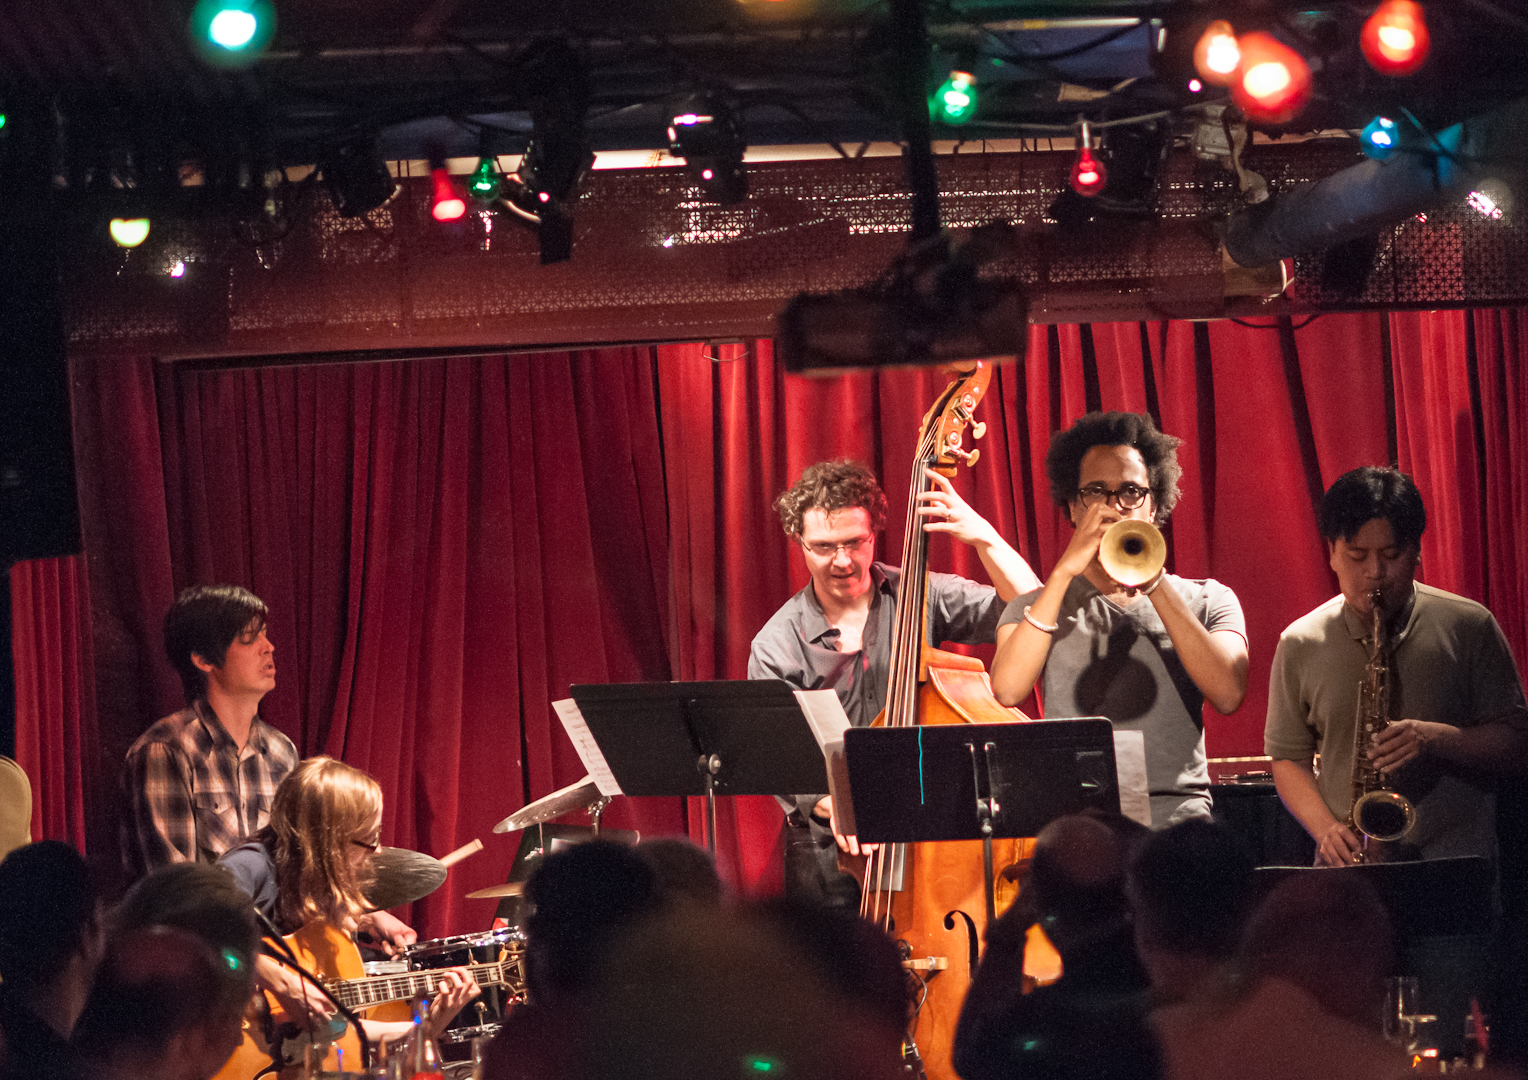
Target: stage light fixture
[(955, 101), (1217, 54), (705, 131), (447, 202), (1395, 40), (1379, 137), (232, 33), (129, 232), (358, 178), (1089, 177), (484, 184), (1273, 81)]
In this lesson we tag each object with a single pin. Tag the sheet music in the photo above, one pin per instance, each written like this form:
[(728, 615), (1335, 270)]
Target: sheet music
[(1130, 766), (588, 750), (825, 713)]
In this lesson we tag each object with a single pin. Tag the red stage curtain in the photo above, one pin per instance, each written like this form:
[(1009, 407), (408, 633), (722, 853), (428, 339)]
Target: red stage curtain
[(55, 697), (446, 545)]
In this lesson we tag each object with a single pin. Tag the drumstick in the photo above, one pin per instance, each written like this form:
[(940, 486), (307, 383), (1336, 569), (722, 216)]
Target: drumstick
[(461, 853)]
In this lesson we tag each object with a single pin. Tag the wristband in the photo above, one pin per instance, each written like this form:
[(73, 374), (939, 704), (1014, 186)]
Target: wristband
[(1037, 624), (1148, 590)]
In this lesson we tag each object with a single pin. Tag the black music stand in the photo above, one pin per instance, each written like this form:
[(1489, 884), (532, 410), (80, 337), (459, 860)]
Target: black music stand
[(977, 781), (747, 737)]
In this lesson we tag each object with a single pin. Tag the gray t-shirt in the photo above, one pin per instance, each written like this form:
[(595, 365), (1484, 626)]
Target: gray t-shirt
[(1450, 663), (799, 646), (1119, 662)]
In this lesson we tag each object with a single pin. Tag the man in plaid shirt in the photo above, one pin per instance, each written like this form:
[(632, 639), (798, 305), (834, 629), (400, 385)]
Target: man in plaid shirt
[(202, 779)]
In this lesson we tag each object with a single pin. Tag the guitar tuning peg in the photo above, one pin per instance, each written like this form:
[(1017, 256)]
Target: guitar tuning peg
[(978, 429)]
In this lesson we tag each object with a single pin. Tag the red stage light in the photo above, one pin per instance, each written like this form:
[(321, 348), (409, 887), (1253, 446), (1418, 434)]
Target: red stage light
[(447, 203), (1395, 39), (1217, 55), (1273, 81), (1088, 174)]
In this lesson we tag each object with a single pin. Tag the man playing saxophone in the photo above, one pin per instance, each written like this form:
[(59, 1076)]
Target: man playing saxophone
[(1450, 703)]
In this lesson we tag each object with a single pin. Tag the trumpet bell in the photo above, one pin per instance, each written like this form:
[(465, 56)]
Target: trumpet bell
[(1132, 552)]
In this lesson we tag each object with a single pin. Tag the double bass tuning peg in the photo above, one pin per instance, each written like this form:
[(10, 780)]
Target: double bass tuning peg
[(978, 429), (970, 457)]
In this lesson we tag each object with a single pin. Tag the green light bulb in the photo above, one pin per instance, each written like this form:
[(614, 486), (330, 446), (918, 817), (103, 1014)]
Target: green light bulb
[(955, 101), (485, 180)]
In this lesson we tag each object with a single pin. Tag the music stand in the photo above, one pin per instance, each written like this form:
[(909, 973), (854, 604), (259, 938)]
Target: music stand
[(977, 781), (745, 737)]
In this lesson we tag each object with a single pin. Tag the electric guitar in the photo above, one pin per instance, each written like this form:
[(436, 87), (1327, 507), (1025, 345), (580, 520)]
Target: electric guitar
[(275, 1043)]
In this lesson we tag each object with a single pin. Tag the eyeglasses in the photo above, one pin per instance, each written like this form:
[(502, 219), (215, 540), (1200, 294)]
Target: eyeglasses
[(372, 846), (1126, 496), (824, 550)]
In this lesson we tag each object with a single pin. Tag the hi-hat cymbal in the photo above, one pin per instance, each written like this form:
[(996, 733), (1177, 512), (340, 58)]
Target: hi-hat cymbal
[(401, 877), (514, 888), (577, 796)]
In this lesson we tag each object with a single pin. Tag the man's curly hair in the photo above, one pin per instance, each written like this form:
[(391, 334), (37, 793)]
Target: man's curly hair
[(831, 486), (1063, 464)]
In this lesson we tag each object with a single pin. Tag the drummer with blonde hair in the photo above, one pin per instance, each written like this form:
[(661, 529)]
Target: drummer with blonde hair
[(309, 867)]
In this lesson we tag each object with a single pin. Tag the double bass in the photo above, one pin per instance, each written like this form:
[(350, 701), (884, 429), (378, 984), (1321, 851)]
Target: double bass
[(930, 897)]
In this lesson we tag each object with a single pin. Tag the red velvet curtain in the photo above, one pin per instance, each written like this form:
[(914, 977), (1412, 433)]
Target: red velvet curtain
[(55, 696), (446, 545)]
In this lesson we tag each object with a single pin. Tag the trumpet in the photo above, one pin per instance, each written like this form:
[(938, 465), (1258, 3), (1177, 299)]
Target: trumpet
[(1132, 552)]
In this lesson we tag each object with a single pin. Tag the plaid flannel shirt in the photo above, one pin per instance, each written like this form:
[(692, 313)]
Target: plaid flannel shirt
[(189, 793)]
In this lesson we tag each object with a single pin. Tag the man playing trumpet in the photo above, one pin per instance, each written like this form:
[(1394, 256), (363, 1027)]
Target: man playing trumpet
[(1147, 657), (1455, 702)]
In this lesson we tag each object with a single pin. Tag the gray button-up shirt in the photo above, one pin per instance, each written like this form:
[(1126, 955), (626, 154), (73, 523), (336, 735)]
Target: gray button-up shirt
[(799, 646)]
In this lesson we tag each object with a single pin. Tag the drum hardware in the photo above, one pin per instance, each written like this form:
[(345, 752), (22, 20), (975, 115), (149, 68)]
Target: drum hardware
[(505, 946), (1132, 552)]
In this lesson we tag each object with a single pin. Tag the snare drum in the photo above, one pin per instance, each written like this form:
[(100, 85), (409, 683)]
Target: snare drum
[(484, 1013)]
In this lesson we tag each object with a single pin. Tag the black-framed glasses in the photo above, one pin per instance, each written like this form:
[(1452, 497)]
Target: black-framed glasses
[(372, 846), (825, 550), (1126, 496)]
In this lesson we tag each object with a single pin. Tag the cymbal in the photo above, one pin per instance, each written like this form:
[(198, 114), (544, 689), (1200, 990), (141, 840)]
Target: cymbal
[(402, 876), (577, 796), (514, 888)]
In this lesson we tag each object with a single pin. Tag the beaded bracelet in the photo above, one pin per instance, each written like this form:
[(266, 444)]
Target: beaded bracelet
[(1037, 624)]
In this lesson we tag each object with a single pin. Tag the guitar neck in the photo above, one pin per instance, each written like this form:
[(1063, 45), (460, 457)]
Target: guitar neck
[(380, 989)]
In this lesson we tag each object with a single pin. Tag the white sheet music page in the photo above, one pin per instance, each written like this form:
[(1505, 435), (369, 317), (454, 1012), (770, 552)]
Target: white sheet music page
[(825, 713), (588, 750), (1130, 767)]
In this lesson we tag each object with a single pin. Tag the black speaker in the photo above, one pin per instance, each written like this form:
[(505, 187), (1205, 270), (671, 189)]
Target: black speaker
[(39, 508)]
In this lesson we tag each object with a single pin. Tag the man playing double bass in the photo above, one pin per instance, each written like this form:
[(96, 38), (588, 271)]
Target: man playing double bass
[(1146, 658), (836, 632)]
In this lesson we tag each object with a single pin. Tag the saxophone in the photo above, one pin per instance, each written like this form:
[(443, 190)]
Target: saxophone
[(1379, 812)]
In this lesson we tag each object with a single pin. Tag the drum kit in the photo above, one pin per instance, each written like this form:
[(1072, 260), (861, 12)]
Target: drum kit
[(402, 877)]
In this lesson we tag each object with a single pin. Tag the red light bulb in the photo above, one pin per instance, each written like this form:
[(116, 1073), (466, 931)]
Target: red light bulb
[(447, 203), (1088, 174), (1395, 39), (1217, 54), (1273, 81)]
